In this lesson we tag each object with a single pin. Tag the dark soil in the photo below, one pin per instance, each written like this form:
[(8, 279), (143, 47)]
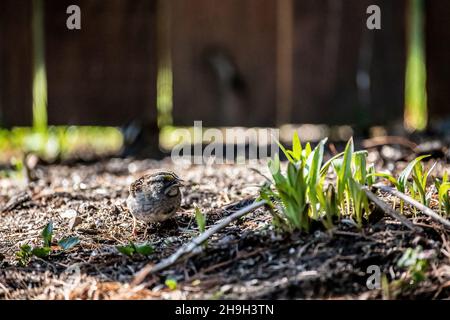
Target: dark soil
[(247, 259)]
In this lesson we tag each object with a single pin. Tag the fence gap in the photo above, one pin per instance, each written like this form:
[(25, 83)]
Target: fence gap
[(284, 61)]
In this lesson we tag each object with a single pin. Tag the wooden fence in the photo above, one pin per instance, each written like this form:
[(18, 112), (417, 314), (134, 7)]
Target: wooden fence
[(234, 62)]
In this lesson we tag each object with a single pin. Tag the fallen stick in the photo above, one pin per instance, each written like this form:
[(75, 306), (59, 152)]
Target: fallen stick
[(16, 201), (194, 244), (387, 209), (386, 140), (427, 211)]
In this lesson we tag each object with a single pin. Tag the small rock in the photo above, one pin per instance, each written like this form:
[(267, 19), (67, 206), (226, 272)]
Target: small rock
[(391, 153), (75, 221), (69, 214), (102, 192), (226, 288), (82, 186), (98, 223)]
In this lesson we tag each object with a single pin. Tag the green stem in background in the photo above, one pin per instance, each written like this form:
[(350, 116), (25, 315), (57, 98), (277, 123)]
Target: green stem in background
[(39, 72), (164, 79), (415, 82)]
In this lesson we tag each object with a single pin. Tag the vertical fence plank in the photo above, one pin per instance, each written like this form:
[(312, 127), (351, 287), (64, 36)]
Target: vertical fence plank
[(387, 72), (15, 63), (285, 26), (105, 73), (224, 55), (224, 62), (437, 37), (345, 73)]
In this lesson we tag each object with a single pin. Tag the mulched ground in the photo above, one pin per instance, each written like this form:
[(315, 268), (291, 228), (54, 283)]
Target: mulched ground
[(247, 259)]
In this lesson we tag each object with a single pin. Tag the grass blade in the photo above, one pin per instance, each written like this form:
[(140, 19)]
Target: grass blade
[(404, 175)]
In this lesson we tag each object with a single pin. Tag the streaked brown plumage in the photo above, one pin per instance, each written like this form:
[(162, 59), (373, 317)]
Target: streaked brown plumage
[(155, 197)]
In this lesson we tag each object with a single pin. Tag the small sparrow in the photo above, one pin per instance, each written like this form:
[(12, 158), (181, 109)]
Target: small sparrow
[(154, 197)]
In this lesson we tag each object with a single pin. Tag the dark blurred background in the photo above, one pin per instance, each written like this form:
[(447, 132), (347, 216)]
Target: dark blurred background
[(149, 66)]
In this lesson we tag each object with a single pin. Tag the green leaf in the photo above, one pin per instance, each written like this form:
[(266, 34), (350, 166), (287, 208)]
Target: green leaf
[(404, 175), (25, 248), (41, 252), (200, 219), (47, 234), (419, 188), (345, 171), (307, 151), (370, 179), (144, 249), (68, 243), (360, 167), (127, 250), (274, 167), (358, 199), (23, 255), (337, 165), (443, 197), (315, 162), (330, 161), (296, 147), (443, 190), (388, 176), (131, 249), (265, 193), (286, 153), (171, 284), (292, 176), (331, 206)]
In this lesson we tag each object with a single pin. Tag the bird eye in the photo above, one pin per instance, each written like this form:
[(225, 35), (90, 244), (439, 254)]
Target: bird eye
[(172, 192)]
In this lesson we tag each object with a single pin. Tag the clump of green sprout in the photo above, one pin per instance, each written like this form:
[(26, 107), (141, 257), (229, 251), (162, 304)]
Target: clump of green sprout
[(302, 193), (352, 174), (415, 263), (132, 249), (443, 187), (417, 186), (200, 219), (26, 252)]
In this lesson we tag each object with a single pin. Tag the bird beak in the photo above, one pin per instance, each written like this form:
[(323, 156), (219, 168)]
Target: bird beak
[(180, 182), (177, 183)]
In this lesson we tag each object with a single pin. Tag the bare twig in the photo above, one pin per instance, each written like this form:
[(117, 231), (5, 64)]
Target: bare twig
[(16, 201), (414, 203), (387, 209), (385, 140), (194, 244)]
